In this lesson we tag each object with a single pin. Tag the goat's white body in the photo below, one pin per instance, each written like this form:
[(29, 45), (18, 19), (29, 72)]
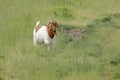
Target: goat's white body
[(42, 36)]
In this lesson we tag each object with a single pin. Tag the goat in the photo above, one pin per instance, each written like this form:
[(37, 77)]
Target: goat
[(45, 34)]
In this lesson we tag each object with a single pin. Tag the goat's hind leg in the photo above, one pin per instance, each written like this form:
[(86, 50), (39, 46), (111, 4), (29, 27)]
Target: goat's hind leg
[(34, 41)]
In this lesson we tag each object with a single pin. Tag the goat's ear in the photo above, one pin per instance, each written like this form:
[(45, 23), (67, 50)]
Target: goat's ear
[(49, 26), (54, 22), (50, 22)]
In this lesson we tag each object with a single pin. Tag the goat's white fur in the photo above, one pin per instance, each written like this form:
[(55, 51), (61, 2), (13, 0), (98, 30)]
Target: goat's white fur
[(42, 36)]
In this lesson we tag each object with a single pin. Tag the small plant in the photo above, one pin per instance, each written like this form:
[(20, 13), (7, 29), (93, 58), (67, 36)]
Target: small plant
[(63, 13)]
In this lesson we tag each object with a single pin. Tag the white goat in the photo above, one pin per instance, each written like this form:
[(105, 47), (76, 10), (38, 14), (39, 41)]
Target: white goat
[(45, 34)]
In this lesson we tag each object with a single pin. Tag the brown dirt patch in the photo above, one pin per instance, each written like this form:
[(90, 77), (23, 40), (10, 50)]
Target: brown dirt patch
[(75, 33)]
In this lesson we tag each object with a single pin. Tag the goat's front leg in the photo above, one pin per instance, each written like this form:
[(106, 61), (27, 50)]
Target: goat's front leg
[(53, 42), (49, 46)]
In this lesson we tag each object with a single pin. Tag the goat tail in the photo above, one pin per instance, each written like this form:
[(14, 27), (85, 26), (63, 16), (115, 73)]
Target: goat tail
[(37, 23), (34, 33)]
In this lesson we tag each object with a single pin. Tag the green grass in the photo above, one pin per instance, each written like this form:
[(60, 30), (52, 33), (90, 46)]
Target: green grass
[(96, 57)]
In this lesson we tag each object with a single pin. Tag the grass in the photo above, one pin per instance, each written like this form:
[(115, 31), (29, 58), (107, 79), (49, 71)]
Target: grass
[(96, 57)]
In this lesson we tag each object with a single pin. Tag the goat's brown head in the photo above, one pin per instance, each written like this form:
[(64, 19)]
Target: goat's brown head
[(53, 25)]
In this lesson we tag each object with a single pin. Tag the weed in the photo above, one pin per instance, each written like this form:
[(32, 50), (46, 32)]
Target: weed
[(63, 13)]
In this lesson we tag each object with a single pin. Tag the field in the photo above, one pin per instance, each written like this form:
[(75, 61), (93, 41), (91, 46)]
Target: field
[(94, 57)]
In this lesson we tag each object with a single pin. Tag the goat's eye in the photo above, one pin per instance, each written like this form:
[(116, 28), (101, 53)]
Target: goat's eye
[(54, 31)]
